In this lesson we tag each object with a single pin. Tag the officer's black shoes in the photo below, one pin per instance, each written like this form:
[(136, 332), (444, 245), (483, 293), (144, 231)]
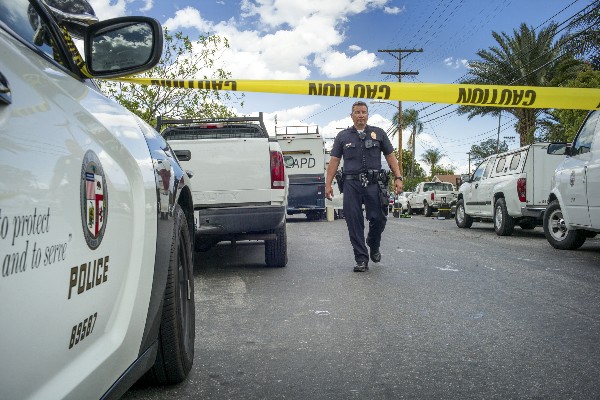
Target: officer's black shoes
[(375, 255), (361, 267)]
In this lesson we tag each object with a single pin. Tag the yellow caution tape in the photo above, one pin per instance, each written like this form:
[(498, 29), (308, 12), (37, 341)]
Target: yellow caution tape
[(472, 95), (77, 58)]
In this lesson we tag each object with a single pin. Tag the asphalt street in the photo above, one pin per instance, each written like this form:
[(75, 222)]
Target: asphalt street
[(449, 313)]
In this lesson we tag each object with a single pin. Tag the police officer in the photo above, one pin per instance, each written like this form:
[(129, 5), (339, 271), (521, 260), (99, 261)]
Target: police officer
[(361, 146)]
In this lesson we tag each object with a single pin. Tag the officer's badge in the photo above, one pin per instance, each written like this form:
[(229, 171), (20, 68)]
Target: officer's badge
[(373, 135), (94, 200)]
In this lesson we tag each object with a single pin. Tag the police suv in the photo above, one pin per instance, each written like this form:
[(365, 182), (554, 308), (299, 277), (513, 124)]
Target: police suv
[(96, 220)]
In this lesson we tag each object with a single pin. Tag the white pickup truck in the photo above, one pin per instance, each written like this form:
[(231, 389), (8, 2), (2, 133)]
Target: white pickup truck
[(509, 189), (239, 185), (428, 197), (573, 213)]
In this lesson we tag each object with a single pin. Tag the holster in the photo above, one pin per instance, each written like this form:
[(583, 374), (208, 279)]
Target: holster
[(339, 178), (383, 180)]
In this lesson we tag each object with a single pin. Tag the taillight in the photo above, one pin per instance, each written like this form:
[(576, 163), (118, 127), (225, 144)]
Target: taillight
[(277, 170), (521, 189), (432, 196)]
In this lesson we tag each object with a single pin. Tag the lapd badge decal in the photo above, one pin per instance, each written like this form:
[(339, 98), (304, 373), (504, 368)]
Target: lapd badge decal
[(94, 200), (572, 178), (373, 135)]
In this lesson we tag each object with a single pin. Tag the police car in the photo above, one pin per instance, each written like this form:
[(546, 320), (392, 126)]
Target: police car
[(96, 220)]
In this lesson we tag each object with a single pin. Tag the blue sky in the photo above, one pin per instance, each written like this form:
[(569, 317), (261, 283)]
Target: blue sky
[(340, 39)]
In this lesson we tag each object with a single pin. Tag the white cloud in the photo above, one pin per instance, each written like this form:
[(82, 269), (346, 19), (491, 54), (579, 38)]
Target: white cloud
[(337, 65), (394, 10), (293, 38), (456, 63), (187, 17), (148, 4), (106, 9)]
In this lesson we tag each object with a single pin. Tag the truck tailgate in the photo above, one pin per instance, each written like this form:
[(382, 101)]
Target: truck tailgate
[(250, 175)]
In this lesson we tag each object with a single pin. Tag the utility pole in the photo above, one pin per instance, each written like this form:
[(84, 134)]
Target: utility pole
[(469, 153), (399, 74), (498, 139)]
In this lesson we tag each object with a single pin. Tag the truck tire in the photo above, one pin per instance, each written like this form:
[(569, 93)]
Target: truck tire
[(504, 224), (177, 327), (427, 210), (276, 250), (314, 215), (462, 219), (556, 230)]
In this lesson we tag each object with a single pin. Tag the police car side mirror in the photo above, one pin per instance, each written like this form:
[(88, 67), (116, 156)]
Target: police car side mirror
[(122, 46)]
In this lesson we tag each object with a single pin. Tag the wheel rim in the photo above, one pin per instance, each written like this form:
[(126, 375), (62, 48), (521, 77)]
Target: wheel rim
[(557, 226), (460, 214), (498, 217)]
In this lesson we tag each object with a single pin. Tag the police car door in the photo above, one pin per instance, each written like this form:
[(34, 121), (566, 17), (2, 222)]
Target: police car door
[(574, 180), (76, 223)]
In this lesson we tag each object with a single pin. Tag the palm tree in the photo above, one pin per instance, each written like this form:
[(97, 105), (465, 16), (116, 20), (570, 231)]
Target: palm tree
[(584, 36), (410, 118), (432, 157), (525, 59)]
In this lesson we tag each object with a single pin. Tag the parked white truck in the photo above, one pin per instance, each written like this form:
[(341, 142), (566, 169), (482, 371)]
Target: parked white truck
[(239, 185), (573, 213), (509, 189), (428, 197), (304, 156)]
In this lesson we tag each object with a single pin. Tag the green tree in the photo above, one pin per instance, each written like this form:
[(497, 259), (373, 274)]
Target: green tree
[(525, 59), (182, 59), (443, 170), (584, 35), (432, 157), (485, 149), (562, 125), (410, 182)]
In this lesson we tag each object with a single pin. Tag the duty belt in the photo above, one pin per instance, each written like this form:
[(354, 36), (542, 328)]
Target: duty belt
[(368, 177)]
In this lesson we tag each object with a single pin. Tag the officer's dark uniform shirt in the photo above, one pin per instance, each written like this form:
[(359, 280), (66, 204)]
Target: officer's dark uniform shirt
[(359, 158)]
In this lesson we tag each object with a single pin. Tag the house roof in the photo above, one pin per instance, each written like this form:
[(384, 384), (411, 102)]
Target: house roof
[(453, 179)]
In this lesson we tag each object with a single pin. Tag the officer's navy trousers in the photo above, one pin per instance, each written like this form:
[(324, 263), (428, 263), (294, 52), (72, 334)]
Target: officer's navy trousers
[(355, 195)]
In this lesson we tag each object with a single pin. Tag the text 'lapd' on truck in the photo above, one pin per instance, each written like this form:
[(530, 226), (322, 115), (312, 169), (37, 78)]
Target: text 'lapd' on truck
[(96, 217)]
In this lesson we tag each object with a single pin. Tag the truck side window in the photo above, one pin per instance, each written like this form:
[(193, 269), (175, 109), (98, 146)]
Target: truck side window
[(514, 164), (479, 171), (500, 165), (488, 168), (583, 142)]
